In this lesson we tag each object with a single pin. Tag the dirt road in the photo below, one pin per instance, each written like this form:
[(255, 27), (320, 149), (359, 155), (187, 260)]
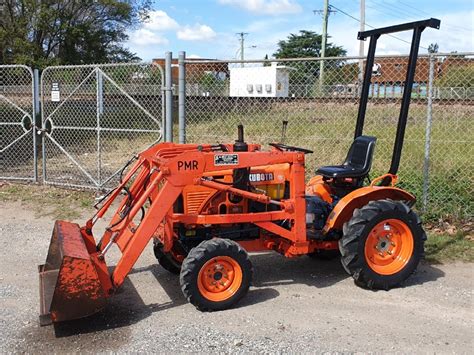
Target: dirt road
[(299, 305)]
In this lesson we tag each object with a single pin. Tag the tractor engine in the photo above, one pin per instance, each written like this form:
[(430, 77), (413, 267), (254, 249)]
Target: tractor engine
[(320, 201)]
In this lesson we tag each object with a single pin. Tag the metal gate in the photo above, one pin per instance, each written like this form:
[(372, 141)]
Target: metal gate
[(17, 123), (95, 118)]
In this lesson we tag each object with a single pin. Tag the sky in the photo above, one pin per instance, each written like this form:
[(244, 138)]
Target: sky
[(208, 28)]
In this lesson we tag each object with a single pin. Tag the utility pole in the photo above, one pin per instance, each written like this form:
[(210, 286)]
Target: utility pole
[(326, 11), (361, 44), (242, 40)]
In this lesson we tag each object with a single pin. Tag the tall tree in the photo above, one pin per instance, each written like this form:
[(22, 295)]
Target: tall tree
[(45, 32), (306, 44), (433, 48)]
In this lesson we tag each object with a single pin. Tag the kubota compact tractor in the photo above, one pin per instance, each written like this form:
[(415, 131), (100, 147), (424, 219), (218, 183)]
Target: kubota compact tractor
[(206, 206)]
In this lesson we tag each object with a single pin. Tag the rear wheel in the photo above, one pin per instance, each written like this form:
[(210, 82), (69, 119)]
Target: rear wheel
[(382, 244), (216, 274)]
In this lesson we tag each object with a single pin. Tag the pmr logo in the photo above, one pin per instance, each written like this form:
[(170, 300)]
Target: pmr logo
[(187, 165)]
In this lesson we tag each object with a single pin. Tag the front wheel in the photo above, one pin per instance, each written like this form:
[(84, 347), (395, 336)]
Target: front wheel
[(382, 244), (216, 274)]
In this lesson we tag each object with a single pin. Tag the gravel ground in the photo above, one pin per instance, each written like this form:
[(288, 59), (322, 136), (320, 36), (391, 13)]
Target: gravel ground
[(300, 305)]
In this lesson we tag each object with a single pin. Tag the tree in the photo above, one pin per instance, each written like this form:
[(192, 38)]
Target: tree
[(212, 83), (266, 63), (456, 76), (46, 32), (433, 48), (306, 44)]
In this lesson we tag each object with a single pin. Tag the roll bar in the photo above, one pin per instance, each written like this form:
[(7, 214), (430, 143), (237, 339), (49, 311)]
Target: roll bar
[(417, 27)]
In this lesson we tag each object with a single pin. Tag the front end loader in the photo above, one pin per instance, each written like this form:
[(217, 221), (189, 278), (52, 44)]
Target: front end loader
[(205, 206)]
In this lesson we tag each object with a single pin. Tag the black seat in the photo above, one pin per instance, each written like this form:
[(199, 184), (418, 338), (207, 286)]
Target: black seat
[(358, 161)]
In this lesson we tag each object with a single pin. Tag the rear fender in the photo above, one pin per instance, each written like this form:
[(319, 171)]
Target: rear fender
[(344, 209)]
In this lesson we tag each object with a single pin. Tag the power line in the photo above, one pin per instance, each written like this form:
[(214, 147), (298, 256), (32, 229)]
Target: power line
[(388, 11), (355, 18), (414, 8), (405, 12), (393, 8), (382, 12)]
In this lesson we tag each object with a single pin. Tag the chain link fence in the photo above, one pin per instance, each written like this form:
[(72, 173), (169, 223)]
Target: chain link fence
[(451, 164), (321, 109), (95, 118), (17, 138)]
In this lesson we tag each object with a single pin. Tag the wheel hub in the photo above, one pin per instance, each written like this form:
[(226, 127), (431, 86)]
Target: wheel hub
[(219, 278), (389, 246), (383, 245)]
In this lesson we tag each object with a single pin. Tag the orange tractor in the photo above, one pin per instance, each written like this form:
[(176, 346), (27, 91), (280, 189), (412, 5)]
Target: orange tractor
[(206, 206)]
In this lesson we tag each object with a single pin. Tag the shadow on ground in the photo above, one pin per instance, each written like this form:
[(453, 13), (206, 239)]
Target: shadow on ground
[(270, 270)]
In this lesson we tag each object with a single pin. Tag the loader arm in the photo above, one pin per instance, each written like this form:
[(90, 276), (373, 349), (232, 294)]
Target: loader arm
[(163, 174), (152, 185)]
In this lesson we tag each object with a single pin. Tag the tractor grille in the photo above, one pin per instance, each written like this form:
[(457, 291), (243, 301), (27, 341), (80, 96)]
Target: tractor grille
[(195, 199)]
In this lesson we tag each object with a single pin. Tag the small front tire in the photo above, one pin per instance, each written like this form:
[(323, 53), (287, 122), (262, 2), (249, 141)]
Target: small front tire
[(216, 274)]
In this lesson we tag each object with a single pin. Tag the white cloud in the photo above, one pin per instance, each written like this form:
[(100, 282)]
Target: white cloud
[(197, 32), (448, 38), (194, 56), (266, 7), (144, 37), (151, 32), (159, 20)]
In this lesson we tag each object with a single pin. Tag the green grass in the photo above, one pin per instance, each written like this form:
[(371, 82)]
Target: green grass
[(327, 128), (444, 248), (48, 201)]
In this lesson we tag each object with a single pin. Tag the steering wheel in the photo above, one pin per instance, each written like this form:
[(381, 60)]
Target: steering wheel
[(289, 148)]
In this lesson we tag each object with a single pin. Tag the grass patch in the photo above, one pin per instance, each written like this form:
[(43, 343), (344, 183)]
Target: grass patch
[(327, 128), (48, 201), (444, 247)]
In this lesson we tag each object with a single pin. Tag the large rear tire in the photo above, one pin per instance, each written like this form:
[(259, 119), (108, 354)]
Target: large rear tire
[(382, 244), (216, 274)]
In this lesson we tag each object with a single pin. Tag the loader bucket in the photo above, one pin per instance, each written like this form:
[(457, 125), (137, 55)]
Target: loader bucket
[(70, 280)]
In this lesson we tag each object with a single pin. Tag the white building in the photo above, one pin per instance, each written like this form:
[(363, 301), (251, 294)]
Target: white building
[(270, 81)]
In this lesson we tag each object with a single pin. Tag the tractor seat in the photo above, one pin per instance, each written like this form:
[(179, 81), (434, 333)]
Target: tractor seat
[(358, 161)]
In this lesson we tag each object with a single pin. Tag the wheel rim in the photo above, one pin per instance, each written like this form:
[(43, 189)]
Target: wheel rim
[(389, 247), (220, 278)]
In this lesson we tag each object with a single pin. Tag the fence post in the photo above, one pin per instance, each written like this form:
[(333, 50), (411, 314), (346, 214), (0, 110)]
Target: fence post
[(429, 120), (168, 98), (37, 121), (99, 111), (182, 97)]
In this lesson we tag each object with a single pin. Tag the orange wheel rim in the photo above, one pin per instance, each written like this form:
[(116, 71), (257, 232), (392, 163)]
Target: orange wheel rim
[(220, 278), (389, 247)]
